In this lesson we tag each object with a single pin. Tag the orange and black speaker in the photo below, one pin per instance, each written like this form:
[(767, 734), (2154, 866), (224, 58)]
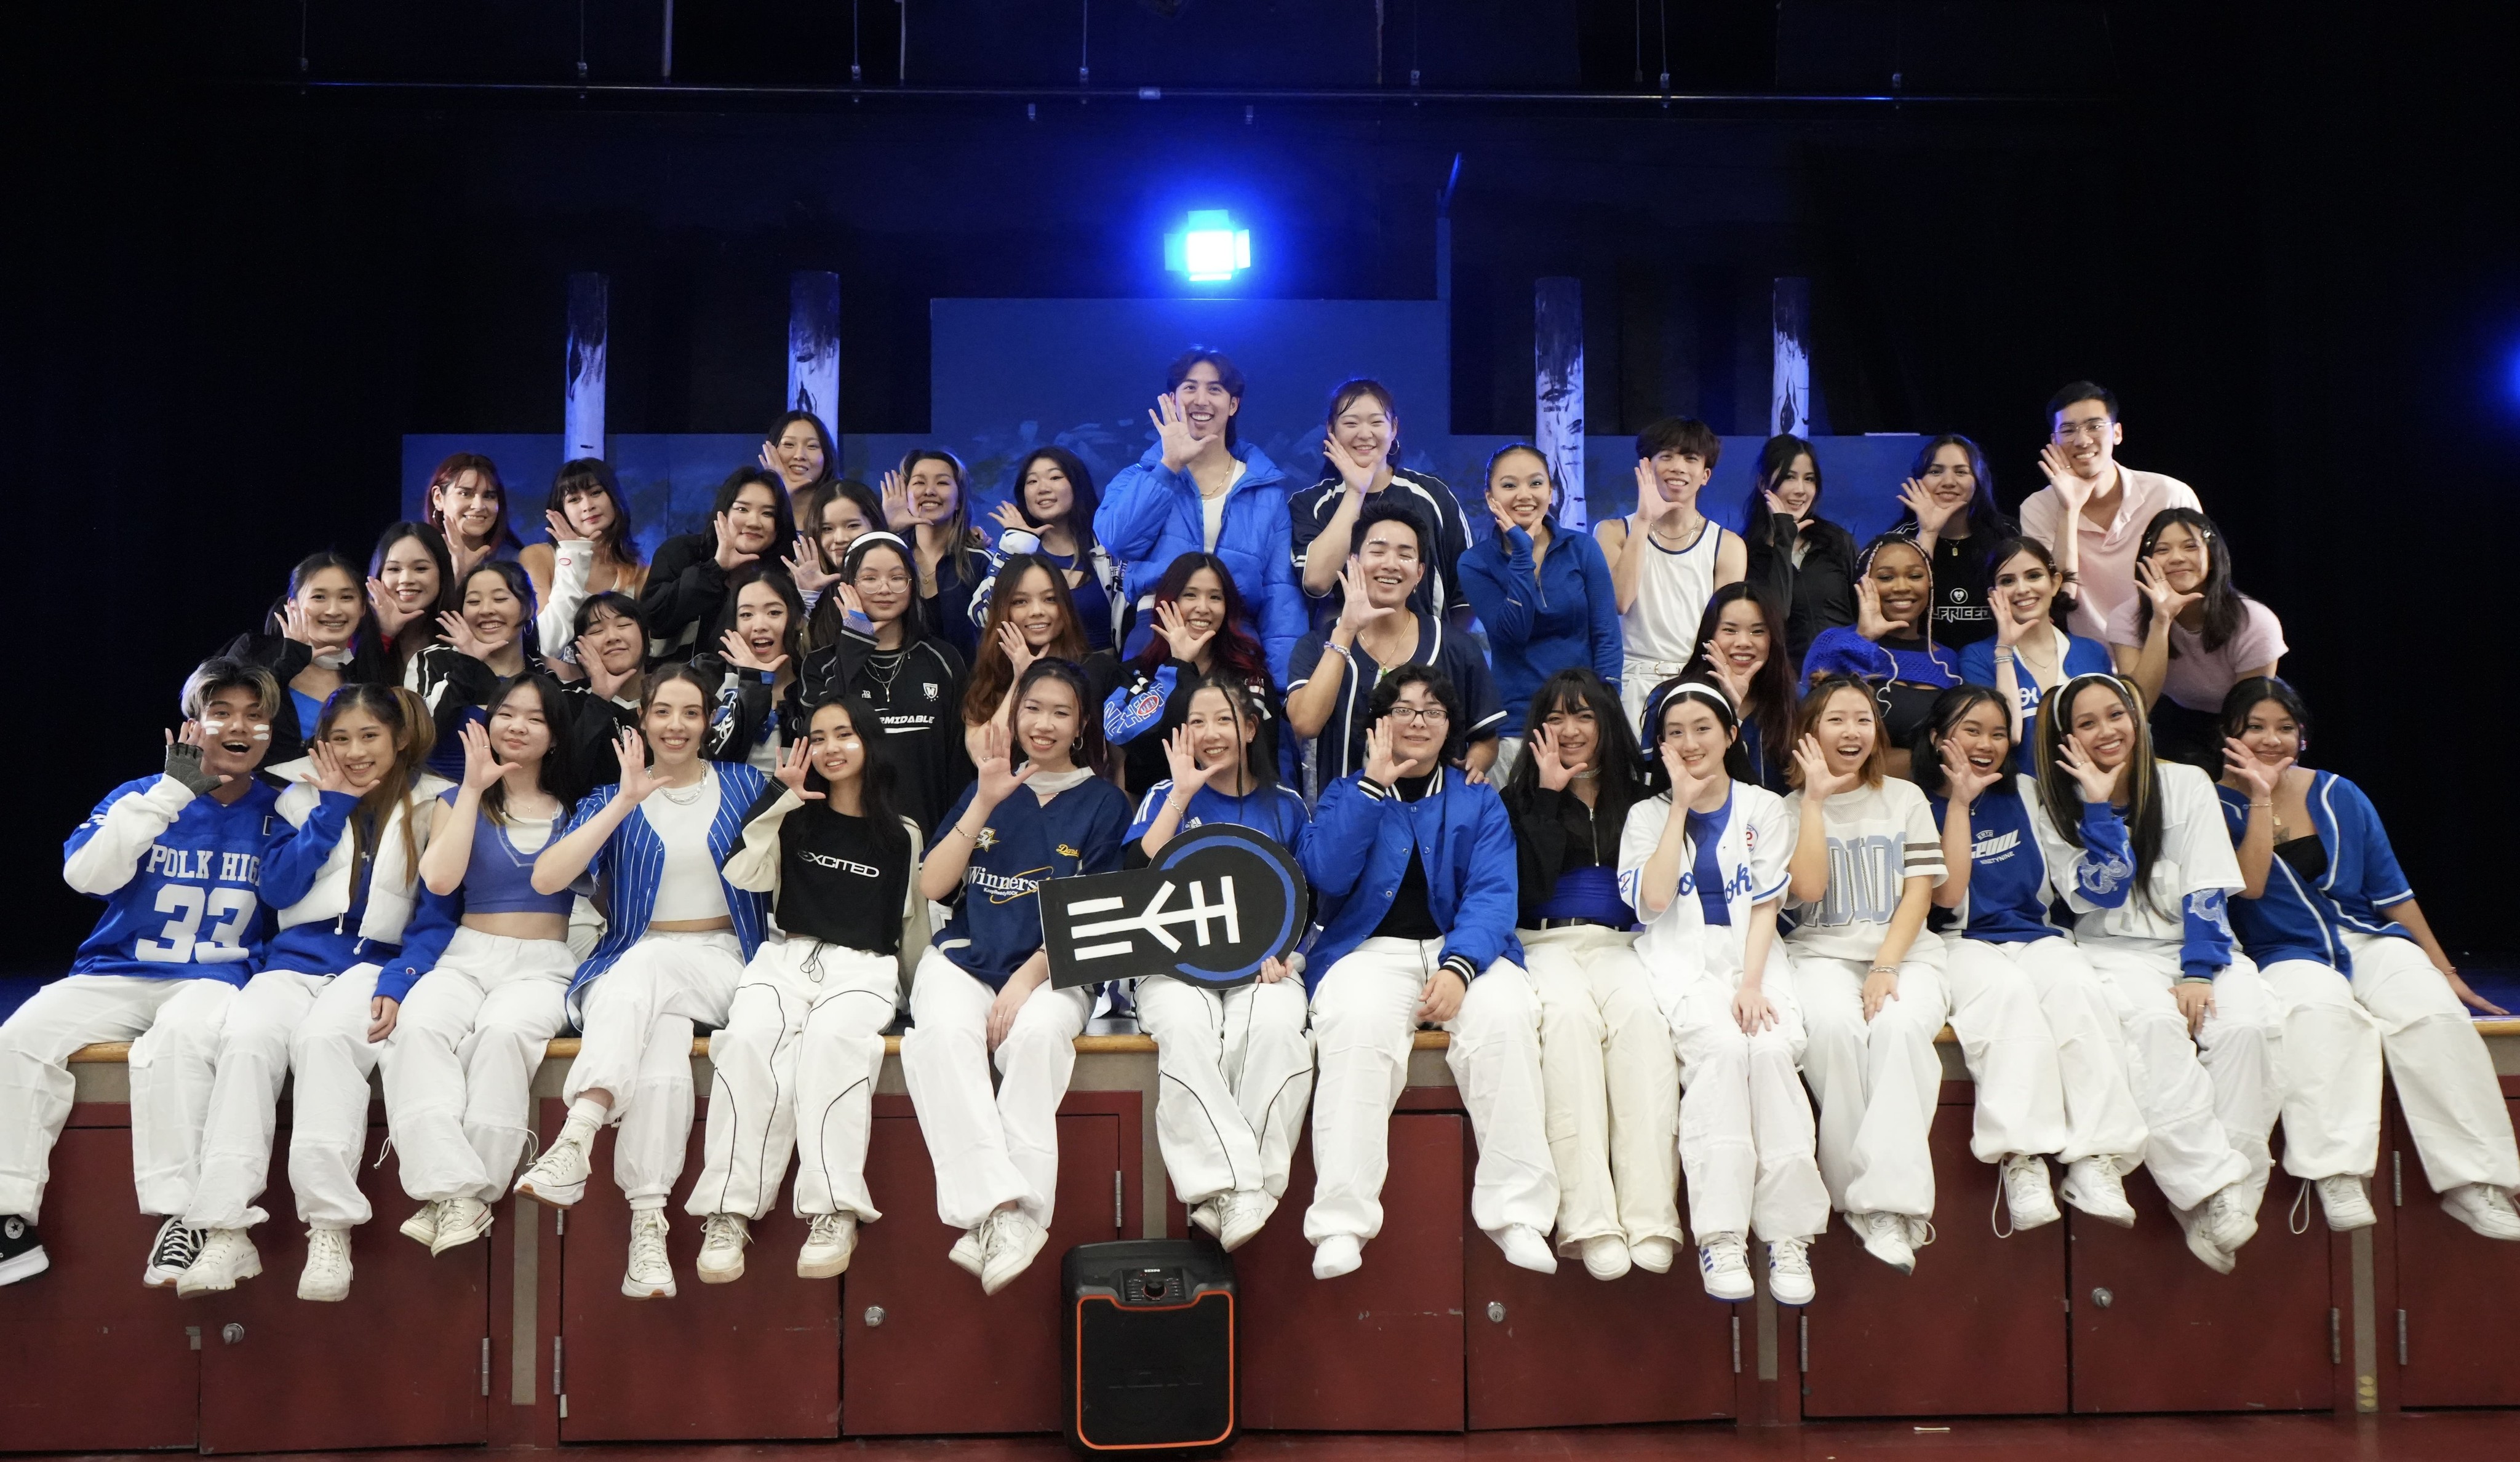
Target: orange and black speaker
[(1149, 1348)]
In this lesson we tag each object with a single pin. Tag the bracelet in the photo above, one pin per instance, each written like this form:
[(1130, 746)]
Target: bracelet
[(2003, 654), (958, 827), (2261, 804), (1884, 969)]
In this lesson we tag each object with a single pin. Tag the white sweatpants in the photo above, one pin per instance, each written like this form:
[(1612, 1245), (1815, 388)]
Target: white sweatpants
[(796, 1073), (1609, 1086), (990, 1148), (2070, 1043), (1365, 1018), (1876, 1081), (253, 1059), (2334, 1031), (1638, 678), (1746, 1138), (459, 1064), (640, 1016), (2209, 1103), (1235, 1070), (174, 1026)]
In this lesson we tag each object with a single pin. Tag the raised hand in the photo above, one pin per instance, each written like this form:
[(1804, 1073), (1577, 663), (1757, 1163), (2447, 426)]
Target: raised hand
[(1735, 681), (1685, 786), (1819, 782), (729, 556), (1963, 783), (1869, 621), (770, 463), (1172, 431), (1776, 504), (2261, 779), (562, 529), (294, 624), (1651, 506), (327, 774), (637, 779), (1187, 774), (1504, 525), (793, 763), (1357, 612), (480, 764), (998, 777), (2010, 629), (740, 655), (604, 683), (390, 615), (1545, 760), (465, 558), (1381, 763), (1018, 650), (1932, 516), (806, 568), (897, 511), (1356, 474), (2073, 489), (2167, 603), (1184, 642), (2097, 786), (459, 635), (1010, 517), (184, 761)]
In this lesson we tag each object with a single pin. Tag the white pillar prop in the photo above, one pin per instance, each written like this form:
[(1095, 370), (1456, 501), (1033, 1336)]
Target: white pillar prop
[(1557, 320), (1789, 383), (814, 344), (583, 414)]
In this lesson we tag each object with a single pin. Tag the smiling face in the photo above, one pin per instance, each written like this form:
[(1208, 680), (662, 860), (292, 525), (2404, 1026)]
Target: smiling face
[(1680, 473), (1201, 604), (1694, 736), (1218, 732), (491, 609), (799, 455), (676, 716), (2025, 586), (1983, 736), (1577, 733), (1204, 402), (1388, 560), (933, 492), (1033, 609), (1741, 642), (520, 734), (234, 732), (754, 517), (1900, 576), (761, 620), (1798, 487), (1949, 479), (1365, 428), (2087, 437), (2270, 734), (1518, 488), (467, 507), (1418, 724), (2101, 720), (832, 745), (843, 521), (364, 747), (1046, 494), (2181, 556), (1846, 727), (884, 584), (619, 648), (408, 572), (330, 598), (1046, 723), (589, 509)]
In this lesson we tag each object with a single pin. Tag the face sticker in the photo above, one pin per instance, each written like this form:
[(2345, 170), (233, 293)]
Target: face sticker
[(261, 732)]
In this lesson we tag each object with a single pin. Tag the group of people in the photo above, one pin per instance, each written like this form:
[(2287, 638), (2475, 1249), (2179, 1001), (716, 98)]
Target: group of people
[(1694, 842)]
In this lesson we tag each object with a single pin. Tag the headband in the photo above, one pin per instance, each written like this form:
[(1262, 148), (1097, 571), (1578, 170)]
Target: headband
[(877, 536)]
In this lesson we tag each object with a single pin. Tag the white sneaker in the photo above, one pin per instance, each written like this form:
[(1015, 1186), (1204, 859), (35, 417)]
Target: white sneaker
[(460, 1220), (421, 1226), (2092, 1185), (651, 1274), (559, 1177), (2218, 1228), (1209, 1216), (1240, 1215), (1606, 1257), (1340, 1254), (173, 1252), (1526, 1248), (1654, 1256), (1725, 1264), (1012, 1244), (326, 1276), (2483, 1208), (2347, 1204), (1790, 1275), (829, 1243), (1885, 1238), (722, 1240), (227, 1257), (2027, 1194), (970, 1251)]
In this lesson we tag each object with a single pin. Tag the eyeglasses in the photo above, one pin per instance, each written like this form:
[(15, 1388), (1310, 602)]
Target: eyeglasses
[(1421, 715), (2069, 431)]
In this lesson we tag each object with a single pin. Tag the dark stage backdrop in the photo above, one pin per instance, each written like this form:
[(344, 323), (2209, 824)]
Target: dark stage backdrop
[(2274, 227)]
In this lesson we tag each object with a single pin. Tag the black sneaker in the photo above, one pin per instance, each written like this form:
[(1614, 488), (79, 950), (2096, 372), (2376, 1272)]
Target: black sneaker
[(173, 1253), (21, 1253)]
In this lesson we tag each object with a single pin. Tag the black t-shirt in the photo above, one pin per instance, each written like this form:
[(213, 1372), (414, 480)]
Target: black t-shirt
[(837, 883), (1961, 612), (1410, 915)]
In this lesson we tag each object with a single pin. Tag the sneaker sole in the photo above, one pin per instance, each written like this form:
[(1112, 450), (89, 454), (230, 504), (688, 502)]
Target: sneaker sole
[(553, 1197), (324, 1298), (458, 1239), (1747, 1291), (26, 1265), (157, 1278), (251, 1271), (1781, 1296), (2119, 1218), (418, 1231), (631, 1290), (720, 1276), (822, 1269)]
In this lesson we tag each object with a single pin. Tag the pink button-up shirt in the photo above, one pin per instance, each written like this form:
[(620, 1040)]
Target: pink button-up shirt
[(2108, 553)]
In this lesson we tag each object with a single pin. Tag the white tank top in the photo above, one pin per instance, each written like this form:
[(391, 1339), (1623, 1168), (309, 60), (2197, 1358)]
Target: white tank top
[(1673, 586), (680, 817)]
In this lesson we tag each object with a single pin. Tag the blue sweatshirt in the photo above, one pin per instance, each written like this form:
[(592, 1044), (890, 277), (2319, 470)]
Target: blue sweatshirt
[(321, 946), (997, 924), (2308, 918), (1150, 516), (1362, 835), (180, 876), (1568, 616)]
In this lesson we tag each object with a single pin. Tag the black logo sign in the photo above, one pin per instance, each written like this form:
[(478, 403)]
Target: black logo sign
[(1215, 903)]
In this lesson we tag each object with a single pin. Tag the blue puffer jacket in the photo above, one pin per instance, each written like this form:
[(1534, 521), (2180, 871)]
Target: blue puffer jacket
[(1150, 516)]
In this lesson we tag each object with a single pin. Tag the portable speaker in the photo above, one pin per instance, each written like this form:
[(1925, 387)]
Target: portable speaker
[(1149, 1347)]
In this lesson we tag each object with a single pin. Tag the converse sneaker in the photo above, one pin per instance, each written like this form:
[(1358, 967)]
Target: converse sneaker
[(1725, 1264), (460, 1220), (227, 1257), (722, 1240), (21, 1253), (559, 1177), (1790, 1275), (421, 1226), (1606, 1257), (1654, 1256), (1240, 1217), (1525, 1249), (326, 1276), (829, 1243), (2092, 1185), (2027, 1194), (1209, 1216), (970, 1251), (2484, 1208), (1885, 1238), (1340, 1254), (171, 1255), (2347, 1205), (1012, 1243), (651, 1274)]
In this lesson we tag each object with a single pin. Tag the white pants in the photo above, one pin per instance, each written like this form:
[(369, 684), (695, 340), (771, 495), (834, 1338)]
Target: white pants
[(796, 1073), (459, 1064), (990, 1148), (1876, 1081), (174, 1026), (2069, 1043), (2334, 1031), (1609, 1086), (2209, 1104), (1235, 1069), (1637, 679), (1365, 1019), (639, 1017), (1746, 1138), (328, 1107)]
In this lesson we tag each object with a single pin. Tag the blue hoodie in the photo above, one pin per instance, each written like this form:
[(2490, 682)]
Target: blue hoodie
[(1150, 516)]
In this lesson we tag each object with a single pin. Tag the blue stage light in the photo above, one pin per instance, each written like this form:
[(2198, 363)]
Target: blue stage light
[(1208, 249)]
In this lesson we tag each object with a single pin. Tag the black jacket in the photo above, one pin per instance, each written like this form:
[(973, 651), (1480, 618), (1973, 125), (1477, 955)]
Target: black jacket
[(1817, 596), (686, 590), (919, 710), (1547, 841)]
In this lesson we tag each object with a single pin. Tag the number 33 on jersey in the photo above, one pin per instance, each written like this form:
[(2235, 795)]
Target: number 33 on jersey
[(179, 874)]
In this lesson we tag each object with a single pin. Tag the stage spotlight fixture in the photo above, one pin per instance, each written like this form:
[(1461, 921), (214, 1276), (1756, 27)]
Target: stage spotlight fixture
[(1208, 249)]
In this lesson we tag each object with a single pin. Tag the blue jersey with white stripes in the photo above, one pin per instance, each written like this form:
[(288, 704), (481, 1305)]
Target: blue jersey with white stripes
[(2300, 917), (180, 877)]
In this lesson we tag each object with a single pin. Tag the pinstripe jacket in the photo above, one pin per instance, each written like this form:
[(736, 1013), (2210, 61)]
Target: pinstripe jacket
[(631, 865)]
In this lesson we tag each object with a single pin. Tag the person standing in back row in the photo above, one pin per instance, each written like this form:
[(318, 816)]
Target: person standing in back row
[(2108, 505), (1667, 559), (1360, 452)]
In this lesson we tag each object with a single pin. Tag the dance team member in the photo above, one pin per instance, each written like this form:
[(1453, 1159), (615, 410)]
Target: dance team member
[(467, 503), (1740, 641), (1360, 452), (1890, 647), (1667, 559), (591, 550), (1802, 561), (905, 679), (1949, 509), (1030, 618), (2188, 636), (2031, 652), (1545, 598), (930, 499), (687, 584), (1202, 630), (2093, 512), (1051, 516)]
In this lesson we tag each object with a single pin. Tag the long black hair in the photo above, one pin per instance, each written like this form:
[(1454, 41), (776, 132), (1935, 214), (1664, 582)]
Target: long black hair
[(315, 564), (1697, 687), (558, 776), (1984, 519), (2140, 778), (793, 644), (1618, 768), (510, 572), (1083, 497), (1260, 754), (1770, 705), (783, 530), (1926, 757), (1090, 751), (2224, 607), (877, 779), (2248, 694), (822, 434), (580, 474), (1775, 458)]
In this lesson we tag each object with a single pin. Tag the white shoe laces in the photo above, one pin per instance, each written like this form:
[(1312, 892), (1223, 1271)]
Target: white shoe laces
[(328, 1249), (1789, 1256), (647, 1240), (826, 1229), (724, 1231)]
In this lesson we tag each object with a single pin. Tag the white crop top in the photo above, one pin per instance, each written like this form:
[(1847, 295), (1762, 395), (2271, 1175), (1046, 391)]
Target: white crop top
[(689, 888)]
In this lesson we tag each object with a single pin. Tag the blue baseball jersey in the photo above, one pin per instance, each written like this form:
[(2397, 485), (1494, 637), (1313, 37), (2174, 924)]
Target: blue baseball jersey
[(180, 875), (997, 925), (1274, 811), (2008, 890)]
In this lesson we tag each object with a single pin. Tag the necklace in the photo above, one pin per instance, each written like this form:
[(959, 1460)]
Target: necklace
[(689, 796)]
